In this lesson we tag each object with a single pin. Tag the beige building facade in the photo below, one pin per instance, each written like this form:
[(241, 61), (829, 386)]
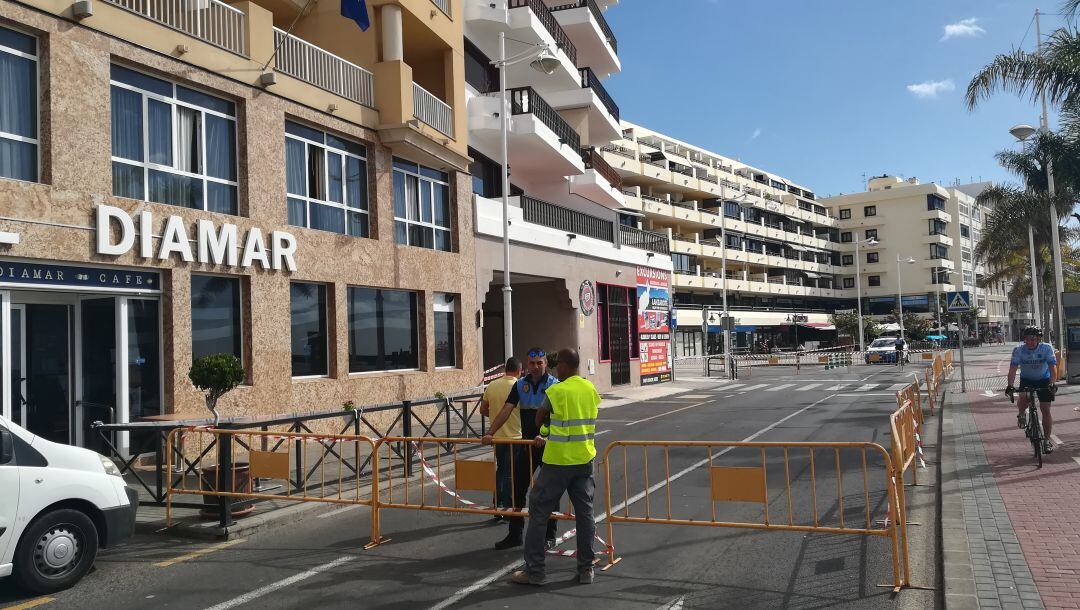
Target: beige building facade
[(176, 183)]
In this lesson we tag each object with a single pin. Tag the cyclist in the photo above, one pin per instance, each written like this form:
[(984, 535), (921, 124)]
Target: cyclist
[(899, 344), (1038, 370)]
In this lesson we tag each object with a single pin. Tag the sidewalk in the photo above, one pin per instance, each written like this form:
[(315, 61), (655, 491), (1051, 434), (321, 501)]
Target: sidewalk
[(1010, 532)]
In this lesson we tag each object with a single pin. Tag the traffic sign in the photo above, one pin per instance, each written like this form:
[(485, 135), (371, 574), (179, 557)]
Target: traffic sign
[(958, 301)]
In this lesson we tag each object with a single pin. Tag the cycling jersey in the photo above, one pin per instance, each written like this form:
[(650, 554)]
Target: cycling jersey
[(1034, 364)]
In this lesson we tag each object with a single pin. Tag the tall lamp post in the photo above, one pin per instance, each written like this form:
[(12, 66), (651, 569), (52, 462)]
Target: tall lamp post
[(1022, 132), (858, 286), (899, 290), (940, 272), (725, 322), (541, 59)]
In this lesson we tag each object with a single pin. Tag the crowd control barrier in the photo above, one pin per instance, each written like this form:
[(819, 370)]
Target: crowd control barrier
[(758, 490)]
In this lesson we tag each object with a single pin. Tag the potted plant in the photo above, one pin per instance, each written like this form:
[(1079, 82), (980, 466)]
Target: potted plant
[(217, 375), (348, 412)]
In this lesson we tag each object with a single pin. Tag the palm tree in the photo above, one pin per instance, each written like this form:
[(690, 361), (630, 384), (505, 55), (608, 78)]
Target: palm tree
[(1046, 147), (1054, 72)]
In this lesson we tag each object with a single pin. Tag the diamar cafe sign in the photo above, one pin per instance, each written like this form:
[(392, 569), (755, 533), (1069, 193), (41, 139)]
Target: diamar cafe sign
[(215, 245)]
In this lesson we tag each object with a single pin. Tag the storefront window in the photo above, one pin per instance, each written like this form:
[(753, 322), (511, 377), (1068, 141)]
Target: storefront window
[(326, 180), (309, 340), (18, 106), (445, 330), (383, 330), (215, 316), (421, 206)]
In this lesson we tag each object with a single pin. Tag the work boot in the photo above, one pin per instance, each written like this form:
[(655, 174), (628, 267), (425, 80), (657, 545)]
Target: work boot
[(585, 577), (508, 543), (522, 577)]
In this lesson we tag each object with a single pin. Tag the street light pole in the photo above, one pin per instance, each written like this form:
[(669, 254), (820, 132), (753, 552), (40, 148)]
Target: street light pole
[(899, 291), (1059, 284), (858, 294), (1022, 133)]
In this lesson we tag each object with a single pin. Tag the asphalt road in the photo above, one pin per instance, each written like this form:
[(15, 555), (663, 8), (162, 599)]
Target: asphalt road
[(446, 560)]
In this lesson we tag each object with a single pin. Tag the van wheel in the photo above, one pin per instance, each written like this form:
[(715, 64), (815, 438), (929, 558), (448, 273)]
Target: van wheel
[(55, 551)]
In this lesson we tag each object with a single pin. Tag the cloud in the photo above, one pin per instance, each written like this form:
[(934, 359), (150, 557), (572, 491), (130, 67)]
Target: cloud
[(965, 28), (757, 132), (930, 89)]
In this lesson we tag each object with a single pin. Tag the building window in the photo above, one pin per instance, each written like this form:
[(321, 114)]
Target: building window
[(479, 72), (845, 213), (938, 227), (421, 206), (309, 340), (215, 316), (731, 209), (871, 234), (874, 280), (872, 257), (684, 263), (870, 210), (617, 311), (486, 180), (965, 210), (849, 282), (965, 231), (965, 254), (845, 237), (939, 251), (382, 330), (171, 144), (18, 106), (734, 241), (326, 181), (445, 330), (934, 202)]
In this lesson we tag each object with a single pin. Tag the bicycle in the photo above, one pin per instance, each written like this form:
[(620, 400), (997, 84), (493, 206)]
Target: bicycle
[(1033, 428)]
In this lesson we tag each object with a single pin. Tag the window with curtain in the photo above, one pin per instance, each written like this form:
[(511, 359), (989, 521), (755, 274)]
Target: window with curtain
[(326, 181), (215, 316), (310, 347), (421, 206), (172, 144), (18, 106), (445, 330), (383, 330)]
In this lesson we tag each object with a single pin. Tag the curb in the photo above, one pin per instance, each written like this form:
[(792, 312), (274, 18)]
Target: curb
[(957, 574)]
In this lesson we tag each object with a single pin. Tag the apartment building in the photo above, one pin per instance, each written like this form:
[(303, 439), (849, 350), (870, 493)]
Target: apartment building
[(925, 237), (263, 179), (780, 251)]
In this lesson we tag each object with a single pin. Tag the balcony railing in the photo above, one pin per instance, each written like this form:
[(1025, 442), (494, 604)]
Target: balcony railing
[(547, 214), (644, 240), (657, 161), (215, 22), (444, 6), (703, 175), (432, 111), (597, 14), (589, 80), (524, 100), (595, 161), (622, 151), (307, 62), (543, 13)]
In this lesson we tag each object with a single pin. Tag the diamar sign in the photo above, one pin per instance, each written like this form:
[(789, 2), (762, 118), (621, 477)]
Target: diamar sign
[(654, 324)]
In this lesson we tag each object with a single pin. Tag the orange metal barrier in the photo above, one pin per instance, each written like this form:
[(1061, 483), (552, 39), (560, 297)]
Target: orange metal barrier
[(275, 461), (750, 489)]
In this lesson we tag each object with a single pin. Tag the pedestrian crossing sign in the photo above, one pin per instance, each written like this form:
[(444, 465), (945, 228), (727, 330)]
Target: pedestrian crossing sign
[(959, 301)]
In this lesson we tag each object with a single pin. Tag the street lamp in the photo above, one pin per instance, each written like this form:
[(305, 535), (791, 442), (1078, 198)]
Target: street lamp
[(541, 59), (1022, 132), (899, 290), (858, 285), (940, 272)]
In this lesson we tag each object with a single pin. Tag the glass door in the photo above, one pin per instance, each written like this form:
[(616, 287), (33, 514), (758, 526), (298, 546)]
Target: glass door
[(96, 374), (17, 396), (144, 366), (46, 351)]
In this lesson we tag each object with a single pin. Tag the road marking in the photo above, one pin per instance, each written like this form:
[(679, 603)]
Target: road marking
[(779, 387), (694, 396), (675, 604), (1077, 459), (667, 413), (755, 387), (1057, 441), (199, 553), (31, 603), (338, 511), (865, 387), (869, 394), (601, 433), (896, 387), (806, 388), (839, 386), (281, 584), (490, 578)]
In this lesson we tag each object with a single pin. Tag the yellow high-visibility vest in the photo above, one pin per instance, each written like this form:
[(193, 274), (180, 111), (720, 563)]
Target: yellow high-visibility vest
[(574, 407)]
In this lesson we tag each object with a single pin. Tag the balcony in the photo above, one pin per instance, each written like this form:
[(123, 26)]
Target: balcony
[(526, 22), (936, 215), (443, 5), (584, 22), (541, 145), (600, 183), (211, 21), (644, 240), (938, 238), (307, 62), (602, 123), (547, 214), (432, 111)]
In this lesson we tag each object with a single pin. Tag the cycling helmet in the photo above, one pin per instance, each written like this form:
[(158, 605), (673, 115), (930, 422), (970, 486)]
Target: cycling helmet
[(1032, 331)]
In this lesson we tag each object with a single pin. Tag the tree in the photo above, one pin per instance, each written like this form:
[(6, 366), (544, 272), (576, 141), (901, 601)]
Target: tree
[(216, 375), (847, 323), (916, 327)]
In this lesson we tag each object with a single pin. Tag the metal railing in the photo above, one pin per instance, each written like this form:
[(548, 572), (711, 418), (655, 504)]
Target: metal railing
[(589, 80), (525, 100), (647, 158), (595, 161), (543, 13), (444, 6), (597, 14), (311, 64), (432, 111), (211, 21), (622, 151), (703, 175), (644, 240), (557, 217)]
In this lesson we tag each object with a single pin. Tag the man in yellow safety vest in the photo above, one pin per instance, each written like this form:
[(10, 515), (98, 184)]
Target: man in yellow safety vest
[(572, 405)]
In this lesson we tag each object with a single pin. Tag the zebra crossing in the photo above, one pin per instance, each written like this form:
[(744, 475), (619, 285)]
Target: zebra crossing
[(852, 387)]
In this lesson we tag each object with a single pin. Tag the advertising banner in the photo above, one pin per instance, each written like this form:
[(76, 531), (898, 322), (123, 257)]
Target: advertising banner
[(654, 324)]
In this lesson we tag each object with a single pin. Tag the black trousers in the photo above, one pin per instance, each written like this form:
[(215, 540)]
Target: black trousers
[(523, 473)]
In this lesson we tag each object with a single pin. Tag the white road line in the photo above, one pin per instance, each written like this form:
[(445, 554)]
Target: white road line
[(734, 386), (1077, 459), (869, 394), (755, 387), (806, 388), (675, 604), (779, 387), (666, 413), (337, 512), (896, 387), (281, 584), (866, 387), (839, 386), (601, 433), (487, 580), (1057, 441)]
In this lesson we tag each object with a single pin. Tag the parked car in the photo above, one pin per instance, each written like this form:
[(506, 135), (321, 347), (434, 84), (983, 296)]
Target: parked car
[(58, 505), (885, 348)]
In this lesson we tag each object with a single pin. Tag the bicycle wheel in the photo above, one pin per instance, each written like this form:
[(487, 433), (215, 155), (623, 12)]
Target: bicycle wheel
[(1035, 432)]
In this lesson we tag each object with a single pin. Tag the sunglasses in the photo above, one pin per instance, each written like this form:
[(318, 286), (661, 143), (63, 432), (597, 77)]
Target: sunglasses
[(537, 353)]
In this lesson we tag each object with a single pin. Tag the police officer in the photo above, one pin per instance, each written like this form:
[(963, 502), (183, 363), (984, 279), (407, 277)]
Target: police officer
[(572, 406)]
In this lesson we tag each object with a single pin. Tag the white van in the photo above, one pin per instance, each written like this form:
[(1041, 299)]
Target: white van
[(58, 504)]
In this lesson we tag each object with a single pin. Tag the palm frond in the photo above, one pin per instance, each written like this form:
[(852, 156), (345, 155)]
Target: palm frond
[(1055, 72)]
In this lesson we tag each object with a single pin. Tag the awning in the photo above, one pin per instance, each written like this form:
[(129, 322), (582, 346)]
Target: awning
[(745, 328), (936, 337), (813, 275), (631, 212), (799, 248), (890, 327)]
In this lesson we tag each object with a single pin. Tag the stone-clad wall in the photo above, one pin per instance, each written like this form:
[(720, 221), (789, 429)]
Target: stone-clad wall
[(56, 220)]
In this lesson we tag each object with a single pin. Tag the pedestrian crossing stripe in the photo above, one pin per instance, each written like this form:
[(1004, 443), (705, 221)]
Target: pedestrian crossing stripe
[(820, 387), (755, 387), (780, 387), (807, 387)]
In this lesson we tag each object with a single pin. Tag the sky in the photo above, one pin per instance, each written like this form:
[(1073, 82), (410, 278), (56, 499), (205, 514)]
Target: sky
[(823, 92)]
